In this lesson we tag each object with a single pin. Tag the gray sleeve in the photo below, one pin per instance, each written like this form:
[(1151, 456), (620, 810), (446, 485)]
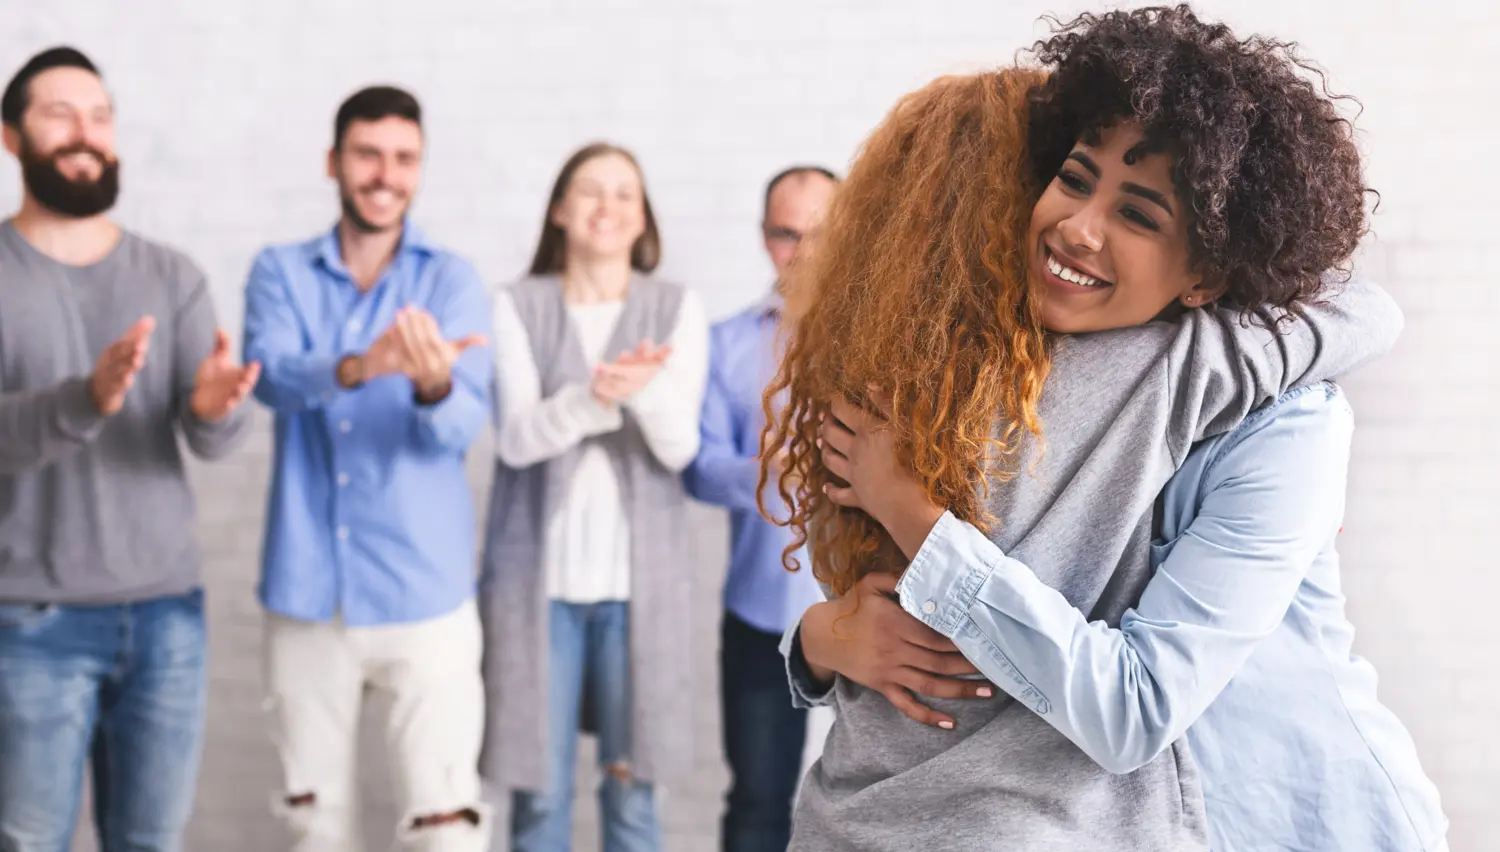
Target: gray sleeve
[(806, 692), (38, 427), (194, 329), (1223, 366)]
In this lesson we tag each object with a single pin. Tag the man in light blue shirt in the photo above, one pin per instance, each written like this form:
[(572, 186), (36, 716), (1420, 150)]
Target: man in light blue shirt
[(371, 340), (764, 735)]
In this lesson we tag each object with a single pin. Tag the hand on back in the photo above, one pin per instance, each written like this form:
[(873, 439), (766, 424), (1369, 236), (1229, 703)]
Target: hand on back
[(868, 638)]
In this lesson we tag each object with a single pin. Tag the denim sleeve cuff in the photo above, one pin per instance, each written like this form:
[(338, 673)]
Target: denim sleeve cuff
[(940, 584), (806, 692)]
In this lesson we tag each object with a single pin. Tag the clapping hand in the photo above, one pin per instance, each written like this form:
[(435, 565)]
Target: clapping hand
[(118, 365), (221, 385), (414, 346), (624, 377)]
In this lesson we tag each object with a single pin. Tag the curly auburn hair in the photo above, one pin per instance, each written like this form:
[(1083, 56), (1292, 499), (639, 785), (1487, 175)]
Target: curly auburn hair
[(1261, 156), (916, 282)]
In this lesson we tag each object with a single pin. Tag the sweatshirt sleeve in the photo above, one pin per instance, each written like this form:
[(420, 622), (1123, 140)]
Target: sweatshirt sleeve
[(1222, 366), (195, 327), (39, 427)]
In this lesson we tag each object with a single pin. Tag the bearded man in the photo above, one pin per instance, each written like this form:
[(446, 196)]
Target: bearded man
[(109, 353)]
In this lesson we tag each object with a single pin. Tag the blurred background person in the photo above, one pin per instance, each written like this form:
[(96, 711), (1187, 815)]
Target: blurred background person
[(372, 340), (764, 734), (109, 350), (587, 572)]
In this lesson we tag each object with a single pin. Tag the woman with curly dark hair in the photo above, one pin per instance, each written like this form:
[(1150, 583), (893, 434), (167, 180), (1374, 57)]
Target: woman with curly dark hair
[(1174, 664)]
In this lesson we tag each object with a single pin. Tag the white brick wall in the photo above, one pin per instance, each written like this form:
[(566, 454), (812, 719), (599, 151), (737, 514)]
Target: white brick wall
[(225, 111)]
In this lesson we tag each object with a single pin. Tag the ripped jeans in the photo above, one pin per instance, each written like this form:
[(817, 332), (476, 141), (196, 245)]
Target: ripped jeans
[(590, 655), (426, 675)]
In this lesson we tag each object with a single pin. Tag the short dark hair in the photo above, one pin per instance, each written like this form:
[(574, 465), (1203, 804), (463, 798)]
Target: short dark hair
[(1260, 153), (373, 103), (17, 95), (792, 171)]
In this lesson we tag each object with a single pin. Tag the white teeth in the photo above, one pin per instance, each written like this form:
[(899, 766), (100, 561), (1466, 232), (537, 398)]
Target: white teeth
[(1072, 275)]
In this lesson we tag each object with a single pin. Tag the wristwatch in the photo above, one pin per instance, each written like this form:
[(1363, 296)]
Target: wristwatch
[(348, 373)]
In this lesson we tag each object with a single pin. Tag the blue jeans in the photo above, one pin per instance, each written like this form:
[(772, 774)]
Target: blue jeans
[(764, 736), (121, 687), (590, 651)]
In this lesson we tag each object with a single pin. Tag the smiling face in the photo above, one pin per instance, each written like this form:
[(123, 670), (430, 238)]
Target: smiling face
[(66, 143), (1110, 238), (603, 211), (378, 166)]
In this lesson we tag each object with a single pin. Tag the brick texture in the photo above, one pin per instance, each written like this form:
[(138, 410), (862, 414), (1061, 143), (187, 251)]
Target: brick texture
[(225, 110)]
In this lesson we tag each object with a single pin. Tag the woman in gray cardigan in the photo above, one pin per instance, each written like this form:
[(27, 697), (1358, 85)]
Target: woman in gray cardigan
[(1183, 168), (600, 372)]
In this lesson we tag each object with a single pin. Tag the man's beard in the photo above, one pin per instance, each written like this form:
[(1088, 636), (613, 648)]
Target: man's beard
[(352, 214), (77, 199)]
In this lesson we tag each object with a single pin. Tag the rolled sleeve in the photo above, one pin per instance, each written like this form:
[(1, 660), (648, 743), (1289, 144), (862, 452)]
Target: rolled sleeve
[(940, 585)]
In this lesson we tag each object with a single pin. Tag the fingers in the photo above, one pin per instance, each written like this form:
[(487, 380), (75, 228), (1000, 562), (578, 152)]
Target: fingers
[(915, 710), (848, 414), (221, 342), (249, 377), (842, 496), (881, 582), (421, 343), (929, 685), (141, 330), (880, 399), (938, 663), (470, 342), (627, 379), (837, 463), (835, 435)]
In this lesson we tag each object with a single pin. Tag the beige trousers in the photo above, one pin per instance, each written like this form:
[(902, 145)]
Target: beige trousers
[(428, 676)]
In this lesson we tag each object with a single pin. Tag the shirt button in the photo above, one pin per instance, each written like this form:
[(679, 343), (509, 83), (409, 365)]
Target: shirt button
[(343, 479), (354, 325), (929, 608), (343, 533), (345, 426)]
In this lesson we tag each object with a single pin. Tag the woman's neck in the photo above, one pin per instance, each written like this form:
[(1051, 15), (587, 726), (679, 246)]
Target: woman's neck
[(590, 281)]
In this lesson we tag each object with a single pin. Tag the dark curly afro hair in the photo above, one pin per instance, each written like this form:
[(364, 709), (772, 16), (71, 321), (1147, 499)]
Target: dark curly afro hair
[(1260, 153)]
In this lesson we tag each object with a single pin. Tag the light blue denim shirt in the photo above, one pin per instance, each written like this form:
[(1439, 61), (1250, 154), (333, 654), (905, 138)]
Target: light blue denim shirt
[(1240, 642), (370, 516)]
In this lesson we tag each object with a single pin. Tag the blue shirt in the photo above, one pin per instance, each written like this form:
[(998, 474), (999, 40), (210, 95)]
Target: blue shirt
[(742, 361), (370, 516), (1239, 642)]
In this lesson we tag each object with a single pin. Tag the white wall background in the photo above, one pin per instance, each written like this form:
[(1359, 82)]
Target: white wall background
[(225, 110)]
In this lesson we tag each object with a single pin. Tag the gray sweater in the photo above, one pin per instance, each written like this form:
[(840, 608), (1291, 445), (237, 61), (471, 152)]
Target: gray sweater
[(96, 509), (1120, 411)]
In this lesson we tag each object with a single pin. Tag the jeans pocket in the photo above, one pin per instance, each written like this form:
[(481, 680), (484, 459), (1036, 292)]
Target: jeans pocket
[(25, 616)]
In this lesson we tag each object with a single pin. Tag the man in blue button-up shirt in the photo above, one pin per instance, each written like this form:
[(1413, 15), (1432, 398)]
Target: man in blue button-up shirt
[(371, 341), (764, 735)]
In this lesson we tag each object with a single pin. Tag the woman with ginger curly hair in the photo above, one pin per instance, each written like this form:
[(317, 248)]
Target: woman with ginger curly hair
[(1182, 168)]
